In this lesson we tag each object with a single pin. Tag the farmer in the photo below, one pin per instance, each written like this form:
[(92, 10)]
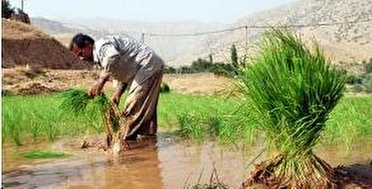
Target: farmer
[(129, 62)]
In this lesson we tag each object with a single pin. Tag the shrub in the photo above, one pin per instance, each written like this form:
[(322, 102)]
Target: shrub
[(368, 66), (164, 88), (353, 79), (367, 82), (357, 88), (6, 9)]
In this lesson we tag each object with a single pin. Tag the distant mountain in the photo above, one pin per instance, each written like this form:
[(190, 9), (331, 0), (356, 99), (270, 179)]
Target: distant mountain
[(348, 41), (52, 27), (169, 48)]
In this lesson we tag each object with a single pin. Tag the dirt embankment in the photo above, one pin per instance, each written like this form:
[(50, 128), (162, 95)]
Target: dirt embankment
[(22, 80), (25, 45)]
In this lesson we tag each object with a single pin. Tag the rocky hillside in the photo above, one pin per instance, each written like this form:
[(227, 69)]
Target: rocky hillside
[(348, 41)]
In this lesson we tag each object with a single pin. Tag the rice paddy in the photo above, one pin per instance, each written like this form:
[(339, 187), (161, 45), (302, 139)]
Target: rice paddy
[(35, 118)]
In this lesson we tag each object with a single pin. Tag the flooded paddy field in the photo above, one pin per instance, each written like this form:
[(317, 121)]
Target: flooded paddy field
[(165, 163)]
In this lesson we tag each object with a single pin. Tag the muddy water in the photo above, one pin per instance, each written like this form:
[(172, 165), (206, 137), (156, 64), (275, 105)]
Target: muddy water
[(164, 164)]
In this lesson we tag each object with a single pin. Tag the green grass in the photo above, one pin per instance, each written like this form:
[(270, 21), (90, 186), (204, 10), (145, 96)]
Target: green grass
[(200, 117), (39, 117), (350, 122), (30, 118), (44, 154)]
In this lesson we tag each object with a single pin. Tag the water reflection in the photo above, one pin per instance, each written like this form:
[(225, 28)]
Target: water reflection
[(137, 168), (165, 163)]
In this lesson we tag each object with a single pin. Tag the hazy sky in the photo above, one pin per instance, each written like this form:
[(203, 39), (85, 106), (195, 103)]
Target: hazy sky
[(217, 11)]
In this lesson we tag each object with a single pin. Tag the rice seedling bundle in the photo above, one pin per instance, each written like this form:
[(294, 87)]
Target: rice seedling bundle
[(78, 102), (293, 88), (75, 101)]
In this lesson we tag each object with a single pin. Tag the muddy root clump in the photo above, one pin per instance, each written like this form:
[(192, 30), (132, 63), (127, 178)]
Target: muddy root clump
[(116, 129), (281, 172)]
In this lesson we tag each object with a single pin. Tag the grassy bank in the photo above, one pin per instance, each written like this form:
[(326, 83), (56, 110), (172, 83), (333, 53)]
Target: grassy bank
[(27, 119)]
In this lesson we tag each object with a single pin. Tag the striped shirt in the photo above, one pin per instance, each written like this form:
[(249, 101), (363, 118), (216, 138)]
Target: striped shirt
[(126, 59)]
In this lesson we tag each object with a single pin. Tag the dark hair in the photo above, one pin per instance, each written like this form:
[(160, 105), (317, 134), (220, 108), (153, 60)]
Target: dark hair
[(81, 40)]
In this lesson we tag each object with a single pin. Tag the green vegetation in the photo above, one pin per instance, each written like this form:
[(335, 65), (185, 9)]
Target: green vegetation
[(293, 90), (75, 101), (361, 82), (44, 154), (228, 68), (350, 122), (6, 9), (367, 66), (234, 58), (78, 102), (201, 66), (200, 117), (164, 88), (39, 117)]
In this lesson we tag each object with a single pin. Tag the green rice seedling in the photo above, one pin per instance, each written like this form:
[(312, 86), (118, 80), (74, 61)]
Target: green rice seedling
[(293, 89), (44, 154), (35, 129), (213, 125), (26, 117), (12, 129), (191, 126), (79, 102), (50, 128), (353, 128), (75, 101)]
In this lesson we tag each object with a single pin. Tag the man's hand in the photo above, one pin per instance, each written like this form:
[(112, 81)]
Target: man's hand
[(93, 91), (119, 91), (96, 89)]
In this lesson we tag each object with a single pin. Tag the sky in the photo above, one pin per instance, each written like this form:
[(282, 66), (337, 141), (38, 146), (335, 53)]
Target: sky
[(210, 11)]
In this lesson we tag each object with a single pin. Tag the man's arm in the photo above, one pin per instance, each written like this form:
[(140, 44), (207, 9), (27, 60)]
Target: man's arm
[(109, 57), (119, 91), (96, 89)]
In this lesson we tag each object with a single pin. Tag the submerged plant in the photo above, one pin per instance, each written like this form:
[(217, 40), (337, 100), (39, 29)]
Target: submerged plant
[(44, 154), (293, 89)]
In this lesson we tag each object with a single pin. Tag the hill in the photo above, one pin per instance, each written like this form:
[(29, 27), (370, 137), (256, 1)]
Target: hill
[(350, 40), (169, 48), (25, 45)]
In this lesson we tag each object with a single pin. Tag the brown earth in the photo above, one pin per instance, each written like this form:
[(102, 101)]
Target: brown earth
[(357, 175), (22, 80), (25, 45)]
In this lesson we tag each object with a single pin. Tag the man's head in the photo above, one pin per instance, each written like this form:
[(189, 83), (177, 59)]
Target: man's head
[(82, 46)]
